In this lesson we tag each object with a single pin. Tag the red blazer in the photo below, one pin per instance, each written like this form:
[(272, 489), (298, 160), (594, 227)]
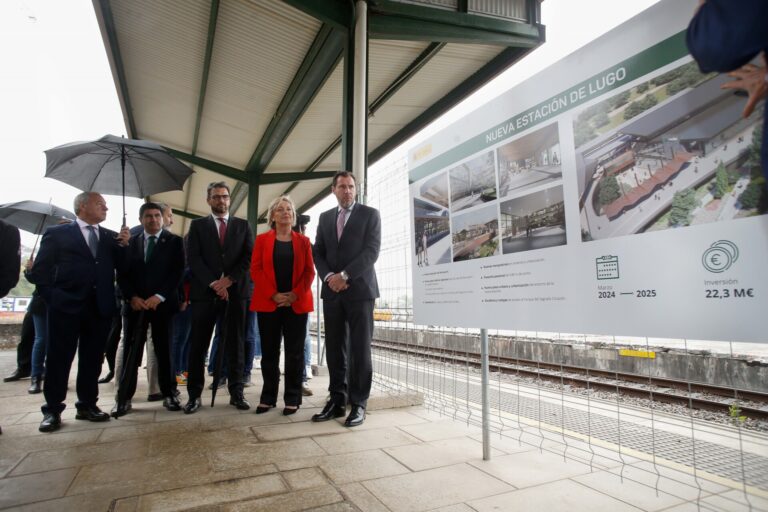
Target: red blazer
[(263, 273)]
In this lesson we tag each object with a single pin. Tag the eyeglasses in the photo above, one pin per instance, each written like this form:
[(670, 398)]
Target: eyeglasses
[(223, 197)]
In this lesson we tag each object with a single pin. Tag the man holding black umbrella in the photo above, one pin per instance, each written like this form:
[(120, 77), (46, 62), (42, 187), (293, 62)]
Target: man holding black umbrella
[(149, 285), (219, 255), (75, 274)]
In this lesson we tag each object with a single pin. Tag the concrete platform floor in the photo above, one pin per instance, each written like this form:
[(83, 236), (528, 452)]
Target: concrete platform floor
[(403, 458)]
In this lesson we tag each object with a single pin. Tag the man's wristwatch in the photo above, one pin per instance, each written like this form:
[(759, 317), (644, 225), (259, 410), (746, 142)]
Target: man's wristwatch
[(344, 275)]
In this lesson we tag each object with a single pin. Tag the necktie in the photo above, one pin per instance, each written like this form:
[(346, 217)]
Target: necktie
[(150, 247), (340, 218), (93, 241), (222, 230)]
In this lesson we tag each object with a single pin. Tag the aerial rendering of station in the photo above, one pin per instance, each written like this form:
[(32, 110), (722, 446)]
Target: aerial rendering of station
[(631, 175)]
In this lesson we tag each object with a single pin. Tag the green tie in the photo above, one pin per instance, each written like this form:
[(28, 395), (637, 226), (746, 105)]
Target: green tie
[(150, 247)]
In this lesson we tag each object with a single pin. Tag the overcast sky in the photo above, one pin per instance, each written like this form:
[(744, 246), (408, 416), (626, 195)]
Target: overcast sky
[(56, 86)]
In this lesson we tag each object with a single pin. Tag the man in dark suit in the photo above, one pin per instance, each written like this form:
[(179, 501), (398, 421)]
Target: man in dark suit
[(219, 255), (346, 248), (149, 285), (75, 274)]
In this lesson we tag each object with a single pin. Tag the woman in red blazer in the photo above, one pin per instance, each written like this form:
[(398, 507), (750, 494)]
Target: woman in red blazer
[(283, 271)]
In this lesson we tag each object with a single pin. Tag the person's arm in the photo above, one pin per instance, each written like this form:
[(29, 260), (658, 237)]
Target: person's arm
[(199, 269), (366, 258), (240, 269), (11, 259), (319, 251), (172, 279), (308, 272), (261, 283), (725, 35)]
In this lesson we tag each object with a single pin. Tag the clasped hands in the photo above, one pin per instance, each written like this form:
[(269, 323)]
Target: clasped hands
[(221, 286), (284, 300), (337, 283), (139, 304)]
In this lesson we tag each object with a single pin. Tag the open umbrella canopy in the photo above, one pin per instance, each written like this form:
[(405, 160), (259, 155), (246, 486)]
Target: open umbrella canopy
[(117, 166), (33, 216)]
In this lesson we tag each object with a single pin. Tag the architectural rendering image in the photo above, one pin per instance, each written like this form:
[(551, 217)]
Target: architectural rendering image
[(671, 152), (475, 234), (435, 190), (533, 159), (431, 230), (473, 182), (533, 221)]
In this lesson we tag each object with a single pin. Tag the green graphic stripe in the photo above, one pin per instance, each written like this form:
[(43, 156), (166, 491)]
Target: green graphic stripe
[(641, 64)]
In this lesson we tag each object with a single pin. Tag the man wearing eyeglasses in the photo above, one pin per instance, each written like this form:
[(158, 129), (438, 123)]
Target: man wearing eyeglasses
[(218, 253)]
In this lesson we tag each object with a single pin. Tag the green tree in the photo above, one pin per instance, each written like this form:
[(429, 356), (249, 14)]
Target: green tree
[(583, 133), (609, 190), (751, 196), (600, 119), (648, 102), (643, 87), (683, 203), (632, 110), (720, 186), (620, 99), (753, 160)]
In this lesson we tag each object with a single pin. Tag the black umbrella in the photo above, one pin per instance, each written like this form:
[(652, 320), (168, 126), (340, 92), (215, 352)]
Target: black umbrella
[(220, 353), (34, 216), (117, 166)]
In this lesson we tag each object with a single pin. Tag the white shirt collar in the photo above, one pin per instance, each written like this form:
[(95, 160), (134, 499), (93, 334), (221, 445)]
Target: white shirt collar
[(348, 208), (83, 225), (225, 217)]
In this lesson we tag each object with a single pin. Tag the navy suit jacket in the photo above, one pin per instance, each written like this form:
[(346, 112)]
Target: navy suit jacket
[(355, 252), (160, 275), (208, 260), (67, 274), (726, 34)]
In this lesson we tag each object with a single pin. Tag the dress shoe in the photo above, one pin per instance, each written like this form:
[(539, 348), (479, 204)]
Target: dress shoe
[(305, 389), (51, 421), (35, 386), (222, 383), (287, 411), (330, 411), (121, 408), (154, 397), (356, 416), (261, 409), (17, 374), (107, 378), (91, 413), (172, 403), (239, 401), (193, 405)]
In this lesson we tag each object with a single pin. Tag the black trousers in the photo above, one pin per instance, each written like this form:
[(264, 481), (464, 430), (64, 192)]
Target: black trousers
[(348, 333), (113, 340), (204, 317), (292, 328), (84, 333), (27, 341), (136, 325)]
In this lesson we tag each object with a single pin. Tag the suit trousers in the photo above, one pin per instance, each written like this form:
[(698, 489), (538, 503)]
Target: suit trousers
[(204, 317), (348, 333), (84, 333), (136, 325), (26, 343), (292, 328)]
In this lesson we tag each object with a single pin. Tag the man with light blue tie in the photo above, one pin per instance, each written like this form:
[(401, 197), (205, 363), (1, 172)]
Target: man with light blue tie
[(75, 274)]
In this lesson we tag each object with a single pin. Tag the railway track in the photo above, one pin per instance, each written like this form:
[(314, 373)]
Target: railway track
[(696, 395)]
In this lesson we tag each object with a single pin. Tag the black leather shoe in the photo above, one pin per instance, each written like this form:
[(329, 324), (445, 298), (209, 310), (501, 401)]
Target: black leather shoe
[(51, 422), (356, 416), (154, 397), (330, 411), (121, 409), (17, 374), (172, 403), (261, 409), (91, 413), (240, 402), (287, 411), (35, 386), (107, 378), (193, 405)]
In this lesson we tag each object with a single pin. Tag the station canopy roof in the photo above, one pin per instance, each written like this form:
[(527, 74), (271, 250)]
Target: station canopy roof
[(252, 91)]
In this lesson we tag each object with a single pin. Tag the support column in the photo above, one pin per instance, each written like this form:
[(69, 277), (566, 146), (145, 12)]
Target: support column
[(253, 201), (360, 101)]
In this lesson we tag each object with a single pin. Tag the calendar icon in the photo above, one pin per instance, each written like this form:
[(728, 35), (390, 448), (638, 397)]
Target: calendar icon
[(607, 267)]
